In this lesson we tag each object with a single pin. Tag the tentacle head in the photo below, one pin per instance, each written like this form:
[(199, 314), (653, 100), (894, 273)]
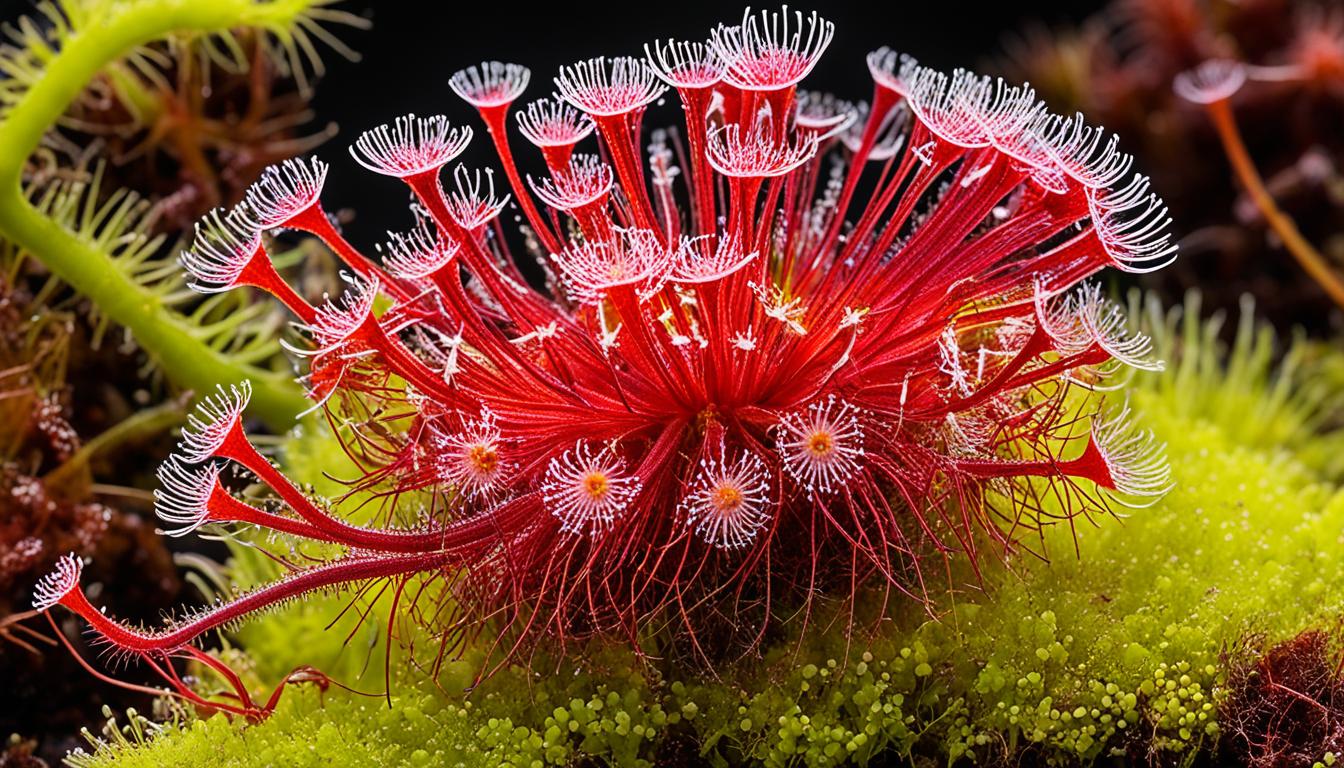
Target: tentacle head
[(683, 64), (822, 446), (607, 87), (183, 496), (410, 146), (728, 502), (550, 122), (417, 254), (584, 182), (284, 191), (1139, 473), (225, 244), (771, 50), (588, 488), (61, 581), (490, 83), (215, 419), (1212, 81), (470, 459)]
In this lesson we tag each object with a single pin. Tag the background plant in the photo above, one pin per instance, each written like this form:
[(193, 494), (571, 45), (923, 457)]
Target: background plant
[(113, 259), (1120, 65)]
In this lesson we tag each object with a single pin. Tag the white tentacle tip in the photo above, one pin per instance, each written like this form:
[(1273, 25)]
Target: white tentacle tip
[(490, 84), (224, 246), (59, 582), (410, 145), (1212, 81), (183, 496), (284, 191), (1136, 461), (214, 420)]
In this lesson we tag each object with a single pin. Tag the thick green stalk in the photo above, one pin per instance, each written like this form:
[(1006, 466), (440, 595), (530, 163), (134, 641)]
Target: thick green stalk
[(171, 339)]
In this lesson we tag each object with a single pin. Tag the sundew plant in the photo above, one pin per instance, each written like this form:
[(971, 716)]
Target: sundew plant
[(787, 347)]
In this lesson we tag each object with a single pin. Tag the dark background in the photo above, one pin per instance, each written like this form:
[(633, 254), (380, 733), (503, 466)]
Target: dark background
[(413, 48)]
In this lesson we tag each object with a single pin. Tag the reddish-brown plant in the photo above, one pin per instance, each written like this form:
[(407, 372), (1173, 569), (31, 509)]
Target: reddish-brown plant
[(1286, 709), (191, 132)]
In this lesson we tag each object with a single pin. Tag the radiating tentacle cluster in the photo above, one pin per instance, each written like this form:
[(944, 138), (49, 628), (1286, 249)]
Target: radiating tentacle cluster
[(839, 338)]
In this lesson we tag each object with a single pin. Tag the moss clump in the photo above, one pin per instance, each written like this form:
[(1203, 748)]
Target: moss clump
[(1124, 647)]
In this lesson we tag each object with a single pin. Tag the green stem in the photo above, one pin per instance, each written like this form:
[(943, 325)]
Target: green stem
[(161, 332)]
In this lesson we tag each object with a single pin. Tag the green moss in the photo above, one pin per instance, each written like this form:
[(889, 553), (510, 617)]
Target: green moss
[(1121, 645), (318, 730)]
